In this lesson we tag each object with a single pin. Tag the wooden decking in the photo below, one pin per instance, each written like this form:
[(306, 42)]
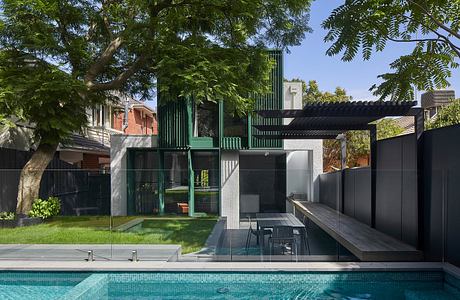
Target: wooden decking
[(366, 243)]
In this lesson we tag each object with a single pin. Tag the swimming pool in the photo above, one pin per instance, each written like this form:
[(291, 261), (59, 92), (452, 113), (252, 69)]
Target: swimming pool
[(225, 285)]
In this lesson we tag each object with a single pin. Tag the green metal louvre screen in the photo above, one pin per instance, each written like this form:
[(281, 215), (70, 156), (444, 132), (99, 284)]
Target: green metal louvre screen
[(273, 100), (173, 124)]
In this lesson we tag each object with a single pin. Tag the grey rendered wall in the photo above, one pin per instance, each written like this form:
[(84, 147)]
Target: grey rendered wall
[(441, 187), (396, 188), (357, 194), (118, 165), (330, 186)]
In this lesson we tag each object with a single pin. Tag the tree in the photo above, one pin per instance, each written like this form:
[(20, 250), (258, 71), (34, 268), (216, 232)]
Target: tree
[(311, 92), (433, 26), (68, 55), (446, 116)]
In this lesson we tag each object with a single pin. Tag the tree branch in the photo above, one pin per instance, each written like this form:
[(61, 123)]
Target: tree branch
[(437, 22), (120, 79), (103, 60)]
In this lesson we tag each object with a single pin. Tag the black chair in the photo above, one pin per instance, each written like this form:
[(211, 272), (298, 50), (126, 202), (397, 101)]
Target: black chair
[(255, 232), (306, 222), (283, 236)]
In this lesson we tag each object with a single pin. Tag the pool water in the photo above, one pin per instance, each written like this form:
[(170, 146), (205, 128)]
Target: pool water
[(38, 285), (224, 285)]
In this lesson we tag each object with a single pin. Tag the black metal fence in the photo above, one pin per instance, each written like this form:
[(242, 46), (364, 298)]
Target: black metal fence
[(80, 191)]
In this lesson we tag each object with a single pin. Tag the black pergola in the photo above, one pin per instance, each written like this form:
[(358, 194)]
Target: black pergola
[(321, 120)]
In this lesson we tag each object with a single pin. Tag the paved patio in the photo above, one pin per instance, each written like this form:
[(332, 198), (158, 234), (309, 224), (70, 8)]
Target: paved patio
[(104, 252), (232, 246)]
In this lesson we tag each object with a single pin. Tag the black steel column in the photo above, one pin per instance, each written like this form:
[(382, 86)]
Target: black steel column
[(419, 127), (373, 162)]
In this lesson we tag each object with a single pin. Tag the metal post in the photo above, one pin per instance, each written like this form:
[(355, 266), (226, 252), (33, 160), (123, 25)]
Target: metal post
[(373, 144), (90, 255), (419, 127), (134, 256)]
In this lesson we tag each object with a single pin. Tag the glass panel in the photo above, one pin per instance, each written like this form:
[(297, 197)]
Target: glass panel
[(206, 174), (262, 182), (145, 180), (206, 120), (234, 125), (176, 182)]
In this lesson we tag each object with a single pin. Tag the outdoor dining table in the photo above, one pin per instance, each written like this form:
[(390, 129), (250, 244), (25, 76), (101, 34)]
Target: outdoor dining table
[(272, 220)]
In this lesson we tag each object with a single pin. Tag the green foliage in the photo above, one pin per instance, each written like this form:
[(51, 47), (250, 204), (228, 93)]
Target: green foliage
[(431, 25), (7, 215), (45, 208), (36, 91), (311, 93), (206, 49), (446, 116)]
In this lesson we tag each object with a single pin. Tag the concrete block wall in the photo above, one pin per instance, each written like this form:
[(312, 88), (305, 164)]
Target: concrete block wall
[(230, 191), (119, 146), (304, 157)]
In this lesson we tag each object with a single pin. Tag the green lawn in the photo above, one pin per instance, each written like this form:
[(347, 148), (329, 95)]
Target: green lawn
[(191, 233)]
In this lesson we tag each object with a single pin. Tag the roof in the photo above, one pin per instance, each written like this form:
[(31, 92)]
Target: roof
[(328, 119), (77, 142), (406, 123), (122, 97)]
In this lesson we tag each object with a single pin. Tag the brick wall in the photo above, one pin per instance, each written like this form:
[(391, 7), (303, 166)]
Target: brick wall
[(137, 123)]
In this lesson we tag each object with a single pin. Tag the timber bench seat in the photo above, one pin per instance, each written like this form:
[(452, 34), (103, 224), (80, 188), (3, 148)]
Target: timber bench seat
[(365, 242)]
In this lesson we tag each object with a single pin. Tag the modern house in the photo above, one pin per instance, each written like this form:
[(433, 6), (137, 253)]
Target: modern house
[(207, 160)]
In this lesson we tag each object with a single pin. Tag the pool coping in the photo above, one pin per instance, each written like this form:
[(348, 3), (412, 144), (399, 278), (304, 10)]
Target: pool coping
[(157, 266)]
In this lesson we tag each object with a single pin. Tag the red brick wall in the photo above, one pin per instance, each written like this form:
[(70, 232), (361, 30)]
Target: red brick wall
[(91, 161), (136, 123)]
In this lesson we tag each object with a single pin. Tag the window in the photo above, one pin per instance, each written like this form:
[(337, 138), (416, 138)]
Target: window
[(206, 120)]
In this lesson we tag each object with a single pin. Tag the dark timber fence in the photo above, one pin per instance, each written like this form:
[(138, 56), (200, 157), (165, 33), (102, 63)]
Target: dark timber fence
[(76, 188), (441, 188), (349, 191), (436, 221)]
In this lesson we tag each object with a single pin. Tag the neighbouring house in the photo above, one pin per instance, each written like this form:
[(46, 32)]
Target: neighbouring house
[(431, 103), (109, 119), (206, 160), (90, 150)]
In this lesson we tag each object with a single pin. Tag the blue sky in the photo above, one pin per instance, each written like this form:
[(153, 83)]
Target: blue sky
[(309, 61)]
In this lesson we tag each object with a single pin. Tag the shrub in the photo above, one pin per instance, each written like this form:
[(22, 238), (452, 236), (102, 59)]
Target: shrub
[(7, 215), (45, 208)]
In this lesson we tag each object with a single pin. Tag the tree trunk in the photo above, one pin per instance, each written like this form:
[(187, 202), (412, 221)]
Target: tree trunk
[(31, 176)]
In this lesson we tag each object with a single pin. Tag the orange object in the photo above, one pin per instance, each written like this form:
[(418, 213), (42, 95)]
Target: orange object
[(182, 208)]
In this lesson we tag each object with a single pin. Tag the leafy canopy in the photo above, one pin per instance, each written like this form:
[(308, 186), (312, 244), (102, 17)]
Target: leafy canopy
[(433, 26), (82, 49), (446, 116)]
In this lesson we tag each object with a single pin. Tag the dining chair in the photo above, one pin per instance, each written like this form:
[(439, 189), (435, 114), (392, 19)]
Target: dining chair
[(283, 236), (256, 232)]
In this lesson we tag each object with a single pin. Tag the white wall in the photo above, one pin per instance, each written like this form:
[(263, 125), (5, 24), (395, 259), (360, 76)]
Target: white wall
[(230, 192), (302, 154), (118, 167)]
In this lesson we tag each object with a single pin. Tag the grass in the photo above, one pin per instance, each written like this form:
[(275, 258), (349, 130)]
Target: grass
[(191, 233)]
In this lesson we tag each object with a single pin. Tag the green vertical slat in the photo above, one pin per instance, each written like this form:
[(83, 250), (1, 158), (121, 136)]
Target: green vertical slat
[(274, 100)]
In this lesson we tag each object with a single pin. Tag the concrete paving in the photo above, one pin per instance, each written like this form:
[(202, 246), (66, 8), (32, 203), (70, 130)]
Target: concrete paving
[(52, 252)]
